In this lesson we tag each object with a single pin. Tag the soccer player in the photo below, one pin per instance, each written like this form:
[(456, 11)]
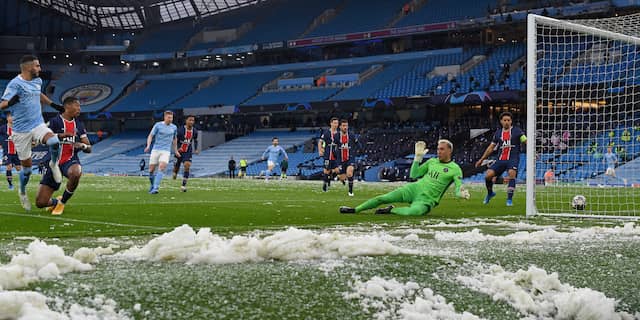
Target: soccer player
[(23, 95), (507, 141), (272, 155), (163, 135), (328, 150), (611, 160), (436, 175), (347, 159), (69, 130), (550, 177), (232, 168), (187, 139), (10, 158)]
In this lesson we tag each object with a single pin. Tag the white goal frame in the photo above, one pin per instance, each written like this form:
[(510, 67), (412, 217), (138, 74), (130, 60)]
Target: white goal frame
[(533, 23)]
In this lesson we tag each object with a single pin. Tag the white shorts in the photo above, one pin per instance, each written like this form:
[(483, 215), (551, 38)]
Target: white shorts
[(610, 171), (158, 156), (22, 140), (270, 163)]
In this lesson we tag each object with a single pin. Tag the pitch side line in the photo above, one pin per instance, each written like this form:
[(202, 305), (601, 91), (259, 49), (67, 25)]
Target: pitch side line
[(27, 215)]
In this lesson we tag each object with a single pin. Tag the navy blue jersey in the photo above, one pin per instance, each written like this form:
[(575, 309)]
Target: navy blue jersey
[(331, 144), (58, 124), (346, 146), (7, 145), (187, 138), (508, 143)]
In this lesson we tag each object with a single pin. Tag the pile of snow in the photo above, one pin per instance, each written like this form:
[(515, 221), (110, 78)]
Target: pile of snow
[(546, 235), (539, 295), (40, 262), (394, 300), (185, 245), (32, 305)]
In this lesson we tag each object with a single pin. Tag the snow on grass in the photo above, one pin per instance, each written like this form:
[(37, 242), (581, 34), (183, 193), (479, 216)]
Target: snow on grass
[(539, 295), (390, 299), (185, 245)]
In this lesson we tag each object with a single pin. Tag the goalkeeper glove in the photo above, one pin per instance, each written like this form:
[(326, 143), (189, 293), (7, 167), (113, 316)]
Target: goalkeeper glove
[(464, 194), (15, 99), (420, 150), (56, 106)]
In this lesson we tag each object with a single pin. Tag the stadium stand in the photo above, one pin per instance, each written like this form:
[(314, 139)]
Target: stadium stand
[(350, 17), (443, 10), (114, 81), (156, 94)]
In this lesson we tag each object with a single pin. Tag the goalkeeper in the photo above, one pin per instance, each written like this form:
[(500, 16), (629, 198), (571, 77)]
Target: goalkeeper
[(436, 175)]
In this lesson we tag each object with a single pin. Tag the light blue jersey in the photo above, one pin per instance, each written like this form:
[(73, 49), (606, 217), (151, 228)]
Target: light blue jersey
[(610, 159), (273, 153), (27, 114), (163, 136)]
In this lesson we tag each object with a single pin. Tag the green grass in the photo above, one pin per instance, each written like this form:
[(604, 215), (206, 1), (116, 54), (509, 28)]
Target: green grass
[(120, 209), (108, 206)]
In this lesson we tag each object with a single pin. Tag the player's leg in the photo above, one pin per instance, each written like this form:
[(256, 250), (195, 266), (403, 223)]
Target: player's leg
[(46, 136), (73, 172), (46, 189), (402, 194), (163, 161), (350, 170), (511, 186), (176, 168), (185, 175), (9, 173), (154, 159), (327, 171), (416, 208), (22, 142), (495, 170)]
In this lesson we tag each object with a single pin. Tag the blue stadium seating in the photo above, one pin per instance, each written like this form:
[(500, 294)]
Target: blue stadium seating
[(156, 95), (444, 10), (478, 78), (284, 21), (359, 15), (250, 147), (367, 89), (416, 82), (230, 90), (167, 38)]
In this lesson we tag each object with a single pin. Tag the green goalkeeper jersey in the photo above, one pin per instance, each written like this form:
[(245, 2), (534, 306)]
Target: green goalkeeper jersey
[(436, 177)]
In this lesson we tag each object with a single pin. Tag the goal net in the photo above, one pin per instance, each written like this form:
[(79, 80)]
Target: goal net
[(583, 96)]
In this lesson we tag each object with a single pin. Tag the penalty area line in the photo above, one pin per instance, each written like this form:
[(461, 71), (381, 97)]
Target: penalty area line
[(62, 219)]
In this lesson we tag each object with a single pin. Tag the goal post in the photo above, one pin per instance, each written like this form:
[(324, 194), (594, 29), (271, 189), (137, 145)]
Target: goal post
[(583, 96)]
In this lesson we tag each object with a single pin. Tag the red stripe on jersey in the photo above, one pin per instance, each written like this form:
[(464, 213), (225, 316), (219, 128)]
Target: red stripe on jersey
[(506, 145), (332, 156), (188, 134), (67, 148), (10, 145), (344, 146)]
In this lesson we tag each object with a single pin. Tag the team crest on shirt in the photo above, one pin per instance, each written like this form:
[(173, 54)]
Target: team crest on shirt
[(89, 93), (445, 169)]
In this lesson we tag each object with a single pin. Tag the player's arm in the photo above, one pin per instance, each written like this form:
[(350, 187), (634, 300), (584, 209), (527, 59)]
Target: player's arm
[(45, 100), (486, 153), (150, 139), (10, 96), (175, 146), (194, 142), (284, 153), (460, 192)]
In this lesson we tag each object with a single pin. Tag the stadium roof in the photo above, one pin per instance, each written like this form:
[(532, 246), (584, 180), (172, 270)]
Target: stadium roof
[(136, 14)]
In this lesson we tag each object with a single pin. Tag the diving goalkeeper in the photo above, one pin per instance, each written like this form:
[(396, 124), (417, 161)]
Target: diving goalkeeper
[(436, 175)]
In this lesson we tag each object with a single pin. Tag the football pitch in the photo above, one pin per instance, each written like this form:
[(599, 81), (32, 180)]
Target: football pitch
[(246, 249)]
